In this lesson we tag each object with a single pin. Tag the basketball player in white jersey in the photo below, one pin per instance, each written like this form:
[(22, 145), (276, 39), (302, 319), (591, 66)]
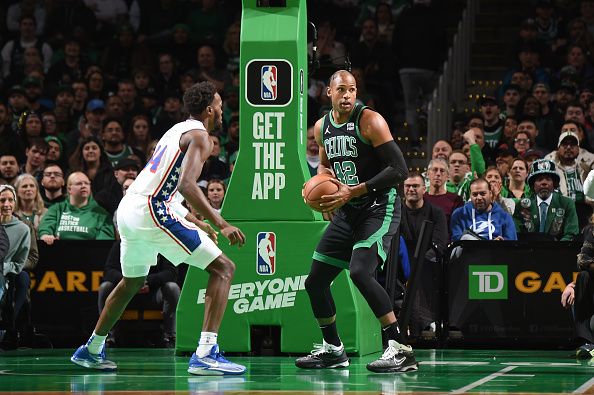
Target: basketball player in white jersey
[(151, 220)]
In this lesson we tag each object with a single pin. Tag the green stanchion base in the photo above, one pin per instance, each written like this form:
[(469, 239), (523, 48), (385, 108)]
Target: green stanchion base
[(276, 299)]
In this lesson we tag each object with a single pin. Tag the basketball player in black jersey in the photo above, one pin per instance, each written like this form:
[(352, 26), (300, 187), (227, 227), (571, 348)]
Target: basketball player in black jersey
[(357, 147)]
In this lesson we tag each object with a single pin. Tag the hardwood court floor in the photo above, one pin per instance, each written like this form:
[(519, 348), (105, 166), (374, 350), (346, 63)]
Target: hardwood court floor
[(158, 371)]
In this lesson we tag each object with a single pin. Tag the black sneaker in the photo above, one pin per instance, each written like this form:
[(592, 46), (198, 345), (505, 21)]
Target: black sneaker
[(585, 351), (324, 356), (396, 358)]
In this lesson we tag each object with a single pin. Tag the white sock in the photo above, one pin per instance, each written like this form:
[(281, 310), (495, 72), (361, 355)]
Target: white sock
[(207, 340), (95, 343)]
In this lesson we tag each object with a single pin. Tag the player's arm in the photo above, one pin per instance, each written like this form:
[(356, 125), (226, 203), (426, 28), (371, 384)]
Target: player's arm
[(197, 153), (374, 129), (324, 167)]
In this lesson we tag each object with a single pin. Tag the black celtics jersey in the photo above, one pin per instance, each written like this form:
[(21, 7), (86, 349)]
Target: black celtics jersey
[(351, 156)]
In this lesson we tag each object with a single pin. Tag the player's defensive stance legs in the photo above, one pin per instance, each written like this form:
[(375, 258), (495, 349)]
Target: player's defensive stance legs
[(92, 354), (397, 357), (207, 360), (330, 354)]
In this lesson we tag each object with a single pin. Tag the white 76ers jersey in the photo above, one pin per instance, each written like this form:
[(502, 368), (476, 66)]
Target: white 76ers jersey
[(160, 176)]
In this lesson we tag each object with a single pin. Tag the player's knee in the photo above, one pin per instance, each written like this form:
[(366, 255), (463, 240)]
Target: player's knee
[(359, 275), (223, 268)]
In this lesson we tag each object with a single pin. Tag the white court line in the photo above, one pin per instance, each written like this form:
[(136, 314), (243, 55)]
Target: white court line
[(584, 387), (453, 363), (483, 380)]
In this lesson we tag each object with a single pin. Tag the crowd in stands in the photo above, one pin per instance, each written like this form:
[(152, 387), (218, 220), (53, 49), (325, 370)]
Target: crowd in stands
[(88, 87)]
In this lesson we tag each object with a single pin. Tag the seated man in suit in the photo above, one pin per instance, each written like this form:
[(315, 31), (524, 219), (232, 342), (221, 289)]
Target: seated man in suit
[(547, 212)]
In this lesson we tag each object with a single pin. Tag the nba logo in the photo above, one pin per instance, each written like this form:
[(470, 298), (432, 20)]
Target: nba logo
[(268, 82), (266, 251)]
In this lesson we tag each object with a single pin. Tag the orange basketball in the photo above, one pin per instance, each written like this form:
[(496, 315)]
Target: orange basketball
[(318, 186)]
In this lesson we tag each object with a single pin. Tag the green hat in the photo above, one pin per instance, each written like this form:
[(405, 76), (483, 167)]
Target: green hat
[(55, 140), (543, 166)]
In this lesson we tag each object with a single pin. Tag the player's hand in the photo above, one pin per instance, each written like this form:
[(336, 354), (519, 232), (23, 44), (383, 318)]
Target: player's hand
[(144, 289), (568, 296), (234, 235), (499, 238), (213, 234), (336, 200), (328, 215), (49, 239)]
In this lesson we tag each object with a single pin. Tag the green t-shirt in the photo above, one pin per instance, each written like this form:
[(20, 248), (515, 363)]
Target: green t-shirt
[(575, 189)]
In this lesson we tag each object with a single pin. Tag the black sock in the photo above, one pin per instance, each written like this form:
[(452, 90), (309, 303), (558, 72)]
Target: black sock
[(393, 332), (330, 334)]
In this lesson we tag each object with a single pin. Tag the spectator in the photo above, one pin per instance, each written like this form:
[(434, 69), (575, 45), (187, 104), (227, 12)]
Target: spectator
[(572, 174), (30, 127), (509, 128), (437, 195), (26, 7), (142, 81), (127, 91), (542, 93), (19, 237), (36, 154), (53, 185), (460, 173), (94, 116), (167, 76), (160, 289), (511, 98), (140, 135), (34, 93), (114, 107), (113, 138), (537, 140), (231, 47), (495, 180), (13, 61), (441, 149), (95, 83), (109, 198), (214, 168), (49, 125), (576, 128), (9, 169), (77, 218), (547, 212), (9, 139), (124, 54), (181, 48), (522, 142), (312, 152), (207, 68), (232, 144), (71, 67), (55, 150), (81, 94), (215, 193), (493, 124), (415, 210), (503, 163), (29, 203), (90, 158), (517, 187), (482, 216), (170, 115)]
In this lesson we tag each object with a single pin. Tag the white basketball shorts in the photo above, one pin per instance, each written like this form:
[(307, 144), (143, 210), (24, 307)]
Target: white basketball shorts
[(149, 227)]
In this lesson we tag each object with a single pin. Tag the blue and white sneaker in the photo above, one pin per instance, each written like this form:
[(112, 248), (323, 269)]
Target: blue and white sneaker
[(214, 364), (84, 358)]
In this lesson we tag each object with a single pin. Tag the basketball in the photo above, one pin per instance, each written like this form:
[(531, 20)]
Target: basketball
[(316, 187)]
